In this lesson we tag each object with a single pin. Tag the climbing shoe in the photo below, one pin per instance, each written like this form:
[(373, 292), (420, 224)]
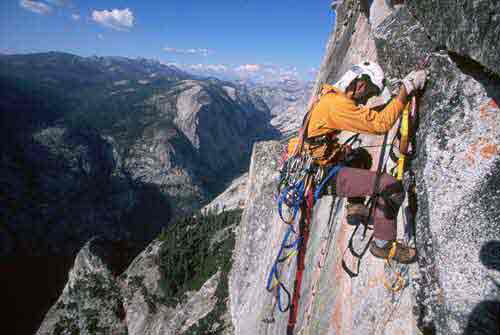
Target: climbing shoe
[(395, 251), (357, 213)]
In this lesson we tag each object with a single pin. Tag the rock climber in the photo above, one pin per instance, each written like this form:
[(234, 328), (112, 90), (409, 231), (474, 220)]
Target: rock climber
[(342, 107)]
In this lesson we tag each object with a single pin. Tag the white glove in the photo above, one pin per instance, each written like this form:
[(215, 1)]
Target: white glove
[(415, 80)]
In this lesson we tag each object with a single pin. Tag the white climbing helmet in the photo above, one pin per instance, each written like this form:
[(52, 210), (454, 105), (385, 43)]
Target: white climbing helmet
[(370, 69)]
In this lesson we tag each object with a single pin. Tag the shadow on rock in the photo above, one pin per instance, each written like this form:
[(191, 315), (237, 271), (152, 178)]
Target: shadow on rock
[(490, 255), (49, 210), (485, 318)]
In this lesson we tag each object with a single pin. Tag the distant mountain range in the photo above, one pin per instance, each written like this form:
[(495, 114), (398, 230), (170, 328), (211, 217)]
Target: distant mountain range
[(59, 67), (265, 74), (118, 146), (281, 87), (115, 146)]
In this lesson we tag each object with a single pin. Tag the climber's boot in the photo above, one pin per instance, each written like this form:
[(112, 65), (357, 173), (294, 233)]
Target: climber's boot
[(357, 213), (394, 251)]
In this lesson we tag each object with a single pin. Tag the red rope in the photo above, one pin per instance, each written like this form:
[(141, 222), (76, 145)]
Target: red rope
[(294, 308)]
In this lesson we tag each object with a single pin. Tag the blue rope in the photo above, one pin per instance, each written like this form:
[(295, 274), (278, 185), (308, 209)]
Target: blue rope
[(275, 273), (289, 298), (274, 270), (292, 196), (331, 174)]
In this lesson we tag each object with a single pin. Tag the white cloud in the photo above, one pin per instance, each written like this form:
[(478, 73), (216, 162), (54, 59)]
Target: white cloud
[(217, 67), (168, 63), (116, 19), (191, 51), (100, 36), (75, 17), (58, 2), (248, 68), (35, 6), (208, 67), (265, 73), (196, 67)]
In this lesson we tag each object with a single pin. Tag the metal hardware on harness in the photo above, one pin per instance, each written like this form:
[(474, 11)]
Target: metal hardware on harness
[(297, 168), (320, 140), (320, 174)]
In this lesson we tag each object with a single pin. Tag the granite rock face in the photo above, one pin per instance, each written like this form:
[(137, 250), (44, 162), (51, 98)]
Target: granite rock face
[(287, 101), (91, 302), (467, 28), (96, 301), (212, 115), (457, 172), (234, 197), (144, 310), (454, 286), (331, 303)]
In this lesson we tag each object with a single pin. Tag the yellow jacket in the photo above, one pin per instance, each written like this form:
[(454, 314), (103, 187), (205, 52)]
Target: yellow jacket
[(335, 111)]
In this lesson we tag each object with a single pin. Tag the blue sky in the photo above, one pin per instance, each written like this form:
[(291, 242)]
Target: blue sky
[(283, 33)]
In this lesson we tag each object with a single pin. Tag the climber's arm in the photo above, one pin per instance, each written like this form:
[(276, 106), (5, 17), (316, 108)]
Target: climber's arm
[(348, 116)]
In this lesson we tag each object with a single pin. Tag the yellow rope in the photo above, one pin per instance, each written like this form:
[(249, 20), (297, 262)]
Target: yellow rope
[(399, 283), (401, 166), (403, 147)]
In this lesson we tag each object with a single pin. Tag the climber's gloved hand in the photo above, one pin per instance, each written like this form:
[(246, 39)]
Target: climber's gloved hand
[(414, 81)]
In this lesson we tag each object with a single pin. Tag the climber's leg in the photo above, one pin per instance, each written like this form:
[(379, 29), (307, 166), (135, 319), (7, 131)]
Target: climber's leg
[(352, 182)]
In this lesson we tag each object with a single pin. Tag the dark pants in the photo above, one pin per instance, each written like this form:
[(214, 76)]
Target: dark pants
[(352, 183)]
